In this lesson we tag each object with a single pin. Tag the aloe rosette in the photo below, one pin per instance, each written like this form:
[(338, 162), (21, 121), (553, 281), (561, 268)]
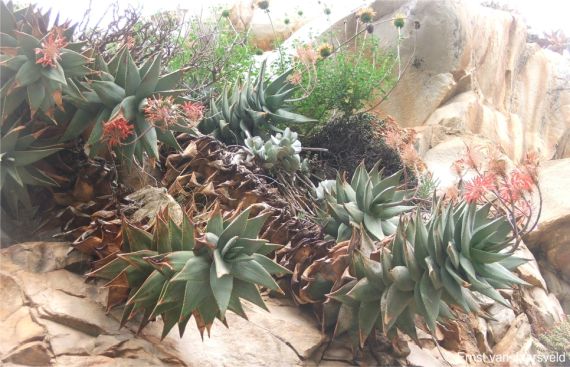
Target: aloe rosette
[(370, 201), (176, 275), (252, 109), (428, 267)]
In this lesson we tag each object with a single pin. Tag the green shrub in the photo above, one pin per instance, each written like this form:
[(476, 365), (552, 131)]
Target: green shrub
[(557, 340), (347, 80), (218, 53)]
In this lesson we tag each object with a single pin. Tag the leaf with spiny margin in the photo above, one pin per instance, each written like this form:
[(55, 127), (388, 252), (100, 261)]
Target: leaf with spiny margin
[(253, 272), (499, 272), (392, 304), (430, 298), (196, 269), (23, 158), (148, 84), (367, 315), (110, 270), (29, 73), (150, 290), (374, 226), (215, 224), (194, 293), (453, 289), (364, 291), (136, 239), (401, 277), (234, 228)]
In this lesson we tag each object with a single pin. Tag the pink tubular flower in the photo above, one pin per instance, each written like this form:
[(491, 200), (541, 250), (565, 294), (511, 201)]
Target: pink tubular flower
[(51, 48), (307, 55), (194, 111), (521, 181), (116, 131), (478, 187)]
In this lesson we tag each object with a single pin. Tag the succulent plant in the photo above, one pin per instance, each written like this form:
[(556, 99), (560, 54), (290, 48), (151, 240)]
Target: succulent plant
[(35, 63), (17, 156), (428, 268), (368, 201), (281, 151), (174, 274), (252, 109), (121, 93)]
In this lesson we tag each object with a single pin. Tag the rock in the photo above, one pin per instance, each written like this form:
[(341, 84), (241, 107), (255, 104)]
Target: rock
[(34, 353), (434, 357), (504, 317), (557, 286), (471, 72), (543, 309), (515, 337), (549, 241), (55, 318), (517, 344), (440, 158), (25, 329), (42, 257), (481, 334), (529, 271)]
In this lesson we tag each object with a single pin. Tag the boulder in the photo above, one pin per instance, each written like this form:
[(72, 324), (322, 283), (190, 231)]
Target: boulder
[(51, 316), (470, 70), (557, 286), (549, 241), (504, 317)]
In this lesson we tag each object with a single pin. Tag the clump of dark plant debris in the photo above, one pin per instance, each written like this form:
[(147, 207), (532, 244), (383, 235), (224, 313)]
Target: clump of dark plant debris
[(351, 140)]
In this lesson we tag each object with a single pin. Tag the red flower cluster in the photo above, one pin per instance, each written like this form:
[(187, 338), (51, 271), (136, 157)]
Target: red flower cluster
[(161, 112), (476, 189), (194, 111), (116, 131), (51, 48)]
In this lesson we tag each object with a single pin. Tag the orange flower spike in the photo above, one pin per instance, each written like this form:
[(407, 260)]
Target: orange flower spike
[(51, 49), (116, 131)]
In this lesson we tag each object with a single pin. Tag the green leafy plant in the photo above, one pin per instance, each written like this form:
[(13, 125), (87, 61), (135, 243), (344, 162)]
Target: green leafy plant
[(368, 200), (252, 109), (17, 157), (121, 94), (427, 268), (174, 274), (280, 152), (35, 63), (347, 80), (218, 53)]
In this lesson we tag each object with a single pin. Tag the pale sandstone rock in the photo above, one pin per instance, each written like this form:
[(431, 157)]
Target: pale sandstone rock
[(504, 317), (557, 286), (529, 271), (543, 309), (65, 325), (549, 241), (473, 70)]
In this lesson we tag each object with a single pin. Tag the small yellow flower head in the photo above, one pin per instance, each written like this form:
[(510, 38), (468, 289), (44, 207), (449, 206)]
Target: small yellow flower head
[(325, 50), (366, 15), (263, 4), (399, 20)]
